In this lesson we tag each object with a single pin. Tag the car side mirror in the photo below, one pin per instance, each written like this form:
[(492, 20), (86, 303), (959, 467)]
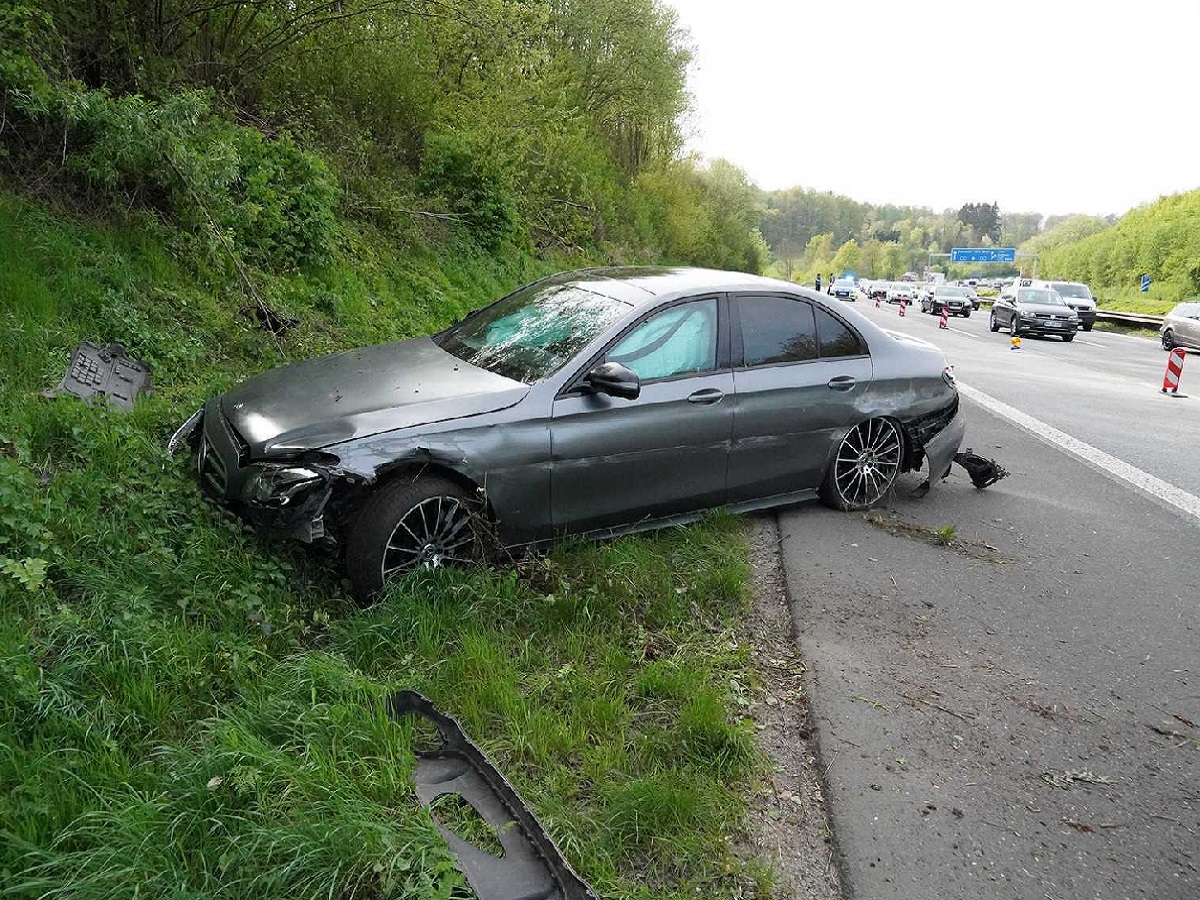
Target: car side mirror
[(615, 380)]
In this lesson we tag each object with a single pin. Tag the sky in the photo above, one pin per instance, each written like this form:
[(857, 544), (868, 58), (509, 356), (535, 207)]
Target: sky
[(1054, 106)]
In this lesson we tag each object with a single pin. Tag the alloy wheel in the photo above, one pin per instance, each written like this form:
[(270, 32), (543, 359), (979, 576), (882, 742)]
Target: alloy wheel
[(436, 532), (868, 461)]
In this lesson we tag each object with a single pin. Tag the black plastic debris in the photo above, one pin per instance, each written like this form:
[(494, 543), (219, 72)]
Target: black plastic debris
[(531, 866), (983, 472), (105, 372)]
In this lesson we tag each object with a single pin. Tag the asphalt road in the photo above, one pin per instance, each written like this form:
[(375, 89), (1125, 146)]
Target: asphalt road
[(1017, 714)]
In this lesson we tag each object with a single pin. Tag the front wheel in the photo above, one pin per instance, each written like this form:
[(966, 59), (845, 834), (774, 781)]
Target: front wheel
[(1168, 340), (1088, 326), (966, 314), (865, 466), (993, 323), (412, 523)]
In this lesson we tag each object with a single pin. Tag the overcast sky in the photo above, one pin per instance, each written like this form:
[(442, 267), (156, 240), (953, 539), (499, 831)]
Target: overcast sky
[(1052, 106)]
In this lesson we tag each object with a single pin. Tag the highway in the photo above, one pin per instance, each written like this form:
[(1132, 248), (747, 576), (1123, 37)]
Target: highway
[(1016, 714)]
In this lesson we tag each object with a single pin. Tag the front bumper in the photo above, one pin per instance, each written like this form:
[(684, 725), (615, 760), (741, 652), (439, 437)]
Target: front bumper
[(1086, 316), (1045, 328), (224, 468)]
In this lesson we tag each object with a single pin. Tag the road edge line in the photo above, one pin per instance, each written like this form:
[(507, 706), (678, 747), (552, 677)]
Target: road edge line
[(1119, 469)]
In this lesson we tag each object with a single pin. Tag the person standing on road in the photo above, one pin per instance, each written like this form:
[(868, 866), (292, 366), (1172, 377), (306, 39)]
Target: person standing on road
[(829, 283), (818, 281)]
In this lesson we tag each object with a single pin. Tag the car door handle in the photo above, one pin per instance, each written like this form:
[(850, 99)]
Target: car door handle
[(842, 383), (707, 396)]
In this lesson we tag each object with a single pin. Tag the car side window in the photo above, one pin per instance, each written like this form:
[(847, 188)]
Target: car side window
[(681, 340), (776, 330), (836, 339)]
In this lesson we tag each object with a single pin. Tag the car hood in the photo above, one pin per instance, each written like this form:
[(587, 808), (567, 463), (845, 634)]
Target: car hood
[(1044, 309), (361, 392)]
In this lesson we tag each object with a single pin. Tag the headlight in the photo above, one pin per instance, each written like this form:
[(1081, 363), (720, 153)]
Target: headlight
[(278, 485)]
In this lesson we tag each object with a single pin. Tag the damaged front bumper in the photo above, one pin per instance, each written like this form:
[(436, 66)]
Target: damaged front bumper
[(286, 498)]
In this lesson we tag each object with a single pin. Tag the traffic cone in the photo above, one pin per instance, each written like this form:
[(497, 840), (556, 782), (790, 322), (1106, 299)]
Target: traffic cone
[(942, 323), (902, 305), (1015, 342), (877, 301)]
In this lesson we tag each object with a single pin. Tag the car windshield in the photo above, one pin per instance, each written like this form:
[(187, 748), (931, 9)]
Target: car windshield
[(1076, 291), (950, 292), (1037, 295), (532, 333), (843, 282)]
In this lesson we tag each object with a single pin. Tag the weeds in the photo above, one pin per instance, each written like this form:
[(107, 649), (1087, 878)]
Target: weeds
[(185, 709)]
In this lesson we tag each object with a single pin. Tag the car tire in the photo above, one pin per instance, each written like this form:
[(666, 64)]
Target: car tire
[(1067, 338), (966, 314), (438, 523), (865, 466), (1168, 340), (993, 323), (1088, 326)]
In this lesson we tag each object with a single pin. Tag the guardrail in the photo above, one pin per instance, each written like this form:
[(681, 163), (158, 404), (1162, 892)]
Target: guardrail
[(1137, 320)]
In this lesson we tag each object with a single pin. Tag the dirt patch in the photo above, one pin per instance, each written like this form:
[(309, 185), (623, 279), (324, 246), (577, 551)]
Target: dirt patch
[(893, 523), (788, 820)]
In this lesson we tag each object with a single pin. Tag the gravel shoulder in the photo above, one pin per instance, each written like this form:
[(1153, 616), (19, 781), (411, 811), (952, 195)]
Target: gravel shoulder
[(788, 817)]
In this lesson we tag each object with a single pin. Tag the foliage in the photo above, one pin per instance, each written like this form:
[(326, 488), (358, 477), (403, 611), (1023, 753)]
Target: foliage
[(1161, 240), (187, 709), (982, 218)]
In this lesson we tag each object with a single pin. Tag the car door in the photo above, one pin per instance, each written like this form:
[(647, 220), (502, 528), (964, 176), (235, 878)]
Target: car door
[(1187, 332), (799, 370), (614, 461)]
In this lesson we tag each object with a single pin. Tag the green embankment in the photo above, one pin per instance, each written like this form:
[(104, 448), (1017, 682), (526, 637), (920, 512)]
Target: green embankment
[(185, 710), (1161, 240)]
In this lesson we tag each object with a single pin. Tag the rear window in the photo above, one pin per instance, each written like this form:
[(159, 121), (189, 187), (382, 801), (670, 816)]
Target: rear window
[(836, 339)]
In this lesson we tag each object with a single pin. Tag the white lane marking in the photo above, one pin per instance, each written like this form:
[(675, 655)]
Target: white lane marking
[(1093, 344), (973, 337), (1144, 481)]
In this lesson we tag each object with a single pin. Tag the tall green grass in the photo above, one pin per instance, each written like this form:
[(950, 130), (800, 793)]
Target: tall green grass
[(188, 711)]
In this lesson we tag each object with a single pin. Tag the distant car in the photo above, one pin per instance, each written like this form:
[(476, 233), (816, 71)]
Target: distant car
[(878, 289), (1032, 310), (953, 299), (843, 289), (594, 402), (901, 291), (973, 297), (1181, 327), (1079, 298)]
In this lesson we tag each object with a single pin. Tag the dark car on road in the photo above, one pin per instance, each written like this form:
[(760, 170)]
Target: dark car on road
[(1181, 327), (594, 402), (954, 300), (1030, 310)]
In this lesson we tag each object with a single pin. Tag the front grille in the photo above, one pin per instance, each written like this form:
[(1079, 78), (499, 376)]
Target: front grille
[(213, 475)]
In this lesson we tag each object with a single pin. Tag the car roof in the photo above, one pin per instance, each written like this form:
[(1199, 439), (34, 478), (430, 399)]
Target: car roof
[(640, 285)]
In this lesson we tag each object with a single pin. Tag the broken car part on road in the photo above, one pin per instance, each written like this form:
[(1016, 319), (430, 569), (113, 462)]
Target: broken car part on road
[(593, 403), (531, 866)]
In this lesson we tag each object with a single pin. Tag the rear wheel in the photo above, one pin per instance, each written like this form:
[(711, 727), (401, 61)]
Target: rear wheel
[(417, 523), (865, 466)]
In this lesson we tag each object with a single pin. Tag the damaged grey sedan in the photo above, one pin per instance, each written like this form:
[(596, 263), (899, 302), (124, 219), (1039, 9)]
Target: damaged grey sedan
[(595, 403)]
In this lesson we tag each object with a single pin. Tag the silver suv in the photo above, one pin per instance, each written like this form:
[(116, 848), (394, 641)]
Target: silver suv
[(1181, 327), (1079, 298)]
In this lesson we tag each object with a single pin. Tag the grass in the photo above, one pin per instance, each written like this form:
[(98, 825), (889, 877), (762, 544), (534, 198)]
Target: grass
[(187, 711)]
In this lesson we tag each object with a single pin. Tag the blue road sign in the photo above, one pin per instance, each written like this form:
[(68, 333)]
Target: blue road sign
[(1145, 284), (983, 254)]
